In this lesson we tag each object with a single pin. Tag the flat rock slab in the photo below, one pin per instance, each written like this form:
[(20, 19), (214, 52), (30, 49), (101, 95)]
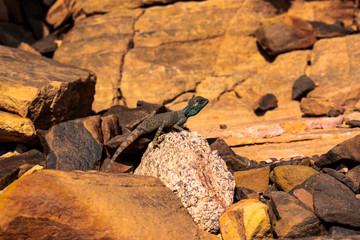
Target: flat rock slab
[(92, 205), (14, 128), (187, 165), (42, 89), (71, 146)]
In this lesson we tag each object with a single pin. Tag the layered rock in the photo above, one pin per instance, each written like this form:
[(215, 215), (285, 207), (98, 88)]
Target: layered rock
[(186, 164), (333, 69), (43, 90), (66, 205)]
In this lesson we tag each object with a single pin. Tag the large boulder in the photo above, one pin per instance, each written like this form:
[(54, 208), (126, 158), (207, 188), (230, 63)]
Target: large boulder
[(43, 90), (187, 165), (92, 205)]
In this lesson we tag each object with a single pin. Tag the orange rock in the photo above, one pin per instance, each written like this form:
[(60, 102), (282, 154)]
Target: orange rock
[(256, 179), (245, 220), (92, 205)]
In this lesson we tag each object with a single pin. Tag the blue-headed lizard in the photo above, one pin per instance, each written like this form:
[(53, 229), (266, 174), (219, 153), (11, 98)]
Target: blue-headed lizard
[(158, 122)]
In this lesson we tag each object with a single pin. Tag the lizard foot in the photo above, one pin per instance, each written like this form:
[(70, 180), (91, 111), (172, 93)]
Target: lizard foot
[(159, 140)]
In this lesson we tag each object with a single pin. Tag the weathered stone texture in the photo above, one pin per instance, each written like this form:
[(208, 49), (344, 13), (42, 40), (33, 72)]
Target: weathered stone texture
[(92, 205), (42, 89), (187, 165)]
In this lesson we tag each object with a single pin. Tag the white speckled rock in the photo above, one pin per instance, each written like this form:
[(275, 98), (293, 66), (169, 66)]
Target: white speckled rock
[(186, 164)]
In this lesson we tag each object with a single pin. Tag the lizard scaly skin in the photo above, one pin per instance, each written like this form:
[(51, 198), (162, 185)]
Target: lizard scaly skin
[(160, 121)]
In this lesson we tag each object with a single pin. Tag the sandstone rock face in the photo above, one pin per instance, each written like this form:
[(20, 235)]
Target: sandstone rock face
[(186, 164), (43, 90), (255, 179), (70, 146), (287, 177), (333, 68), (14, 128), (285, 33), (245, 220), (291, 218), (92, 46), (92, 205)]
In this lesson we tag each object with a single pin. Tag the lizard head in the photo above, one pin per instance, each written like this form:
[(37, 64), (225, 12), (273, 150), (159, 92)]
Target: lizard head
[(195, 105)]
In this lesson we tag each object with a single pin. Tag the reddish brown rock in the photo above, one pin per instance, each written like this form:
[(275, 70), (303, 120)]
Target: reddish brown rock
[(70, 146), (285, 33), (291, 218), (345, 152), (65, 205), (335, 203), (301, 87), (354, 175)]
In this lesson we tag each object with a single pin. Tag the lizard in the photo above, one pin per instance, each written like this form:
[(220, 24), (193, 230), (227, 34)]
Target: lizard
[(158, 122)]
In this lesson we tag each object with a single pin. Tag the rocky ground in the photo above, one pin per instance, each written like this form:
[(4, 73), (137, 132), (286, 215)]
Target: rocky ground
[(275, 154)]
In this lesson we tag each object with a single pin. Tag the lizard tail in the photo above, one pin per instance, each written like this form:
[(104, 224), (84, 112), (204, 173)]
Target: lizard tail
[(128, 140)]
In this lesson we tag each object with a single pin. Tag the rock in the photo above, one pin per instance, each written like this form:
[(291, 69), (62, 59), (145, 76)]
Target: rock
[(14, 128), (233, 162), (285, 33), (266, 102), (85, 7), (109, 127), (333, 69), (353, 123), (58, 13), (324, 122), (42, 89), (341, 231), (34, 15), (4, 15), (131, 207), (291, 218), (186, 164), (256, 179), (12, 34), (26, 47), (341, 178), (305, 197), (13, 167), (287, 177), (70, 146), (247, 219), (336, 112), (245, 193), (335, 203), (345, 152), (309, 184), (100, 49), (354, 175), (10, 164), (294, 126), (324, 30), (301, 87), (314, 107)]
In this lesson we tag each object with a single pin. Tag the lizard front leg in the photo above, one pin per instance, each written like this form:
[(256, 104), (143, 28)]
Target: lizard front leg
[(156, 139)]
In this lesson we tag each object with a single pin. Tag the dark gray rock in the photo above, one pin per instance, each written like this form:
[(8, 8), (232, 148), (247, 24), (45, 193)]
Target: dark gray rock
[(341, 231), (301, 87), (10, 164), (265, 103), (354, 175), (233, 162), (245, 193), (324, 30), (335, 112), (70, 146), (342, 178), (347, 152), (353, 123), (291, 218), (310, 183), (335, 203)]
